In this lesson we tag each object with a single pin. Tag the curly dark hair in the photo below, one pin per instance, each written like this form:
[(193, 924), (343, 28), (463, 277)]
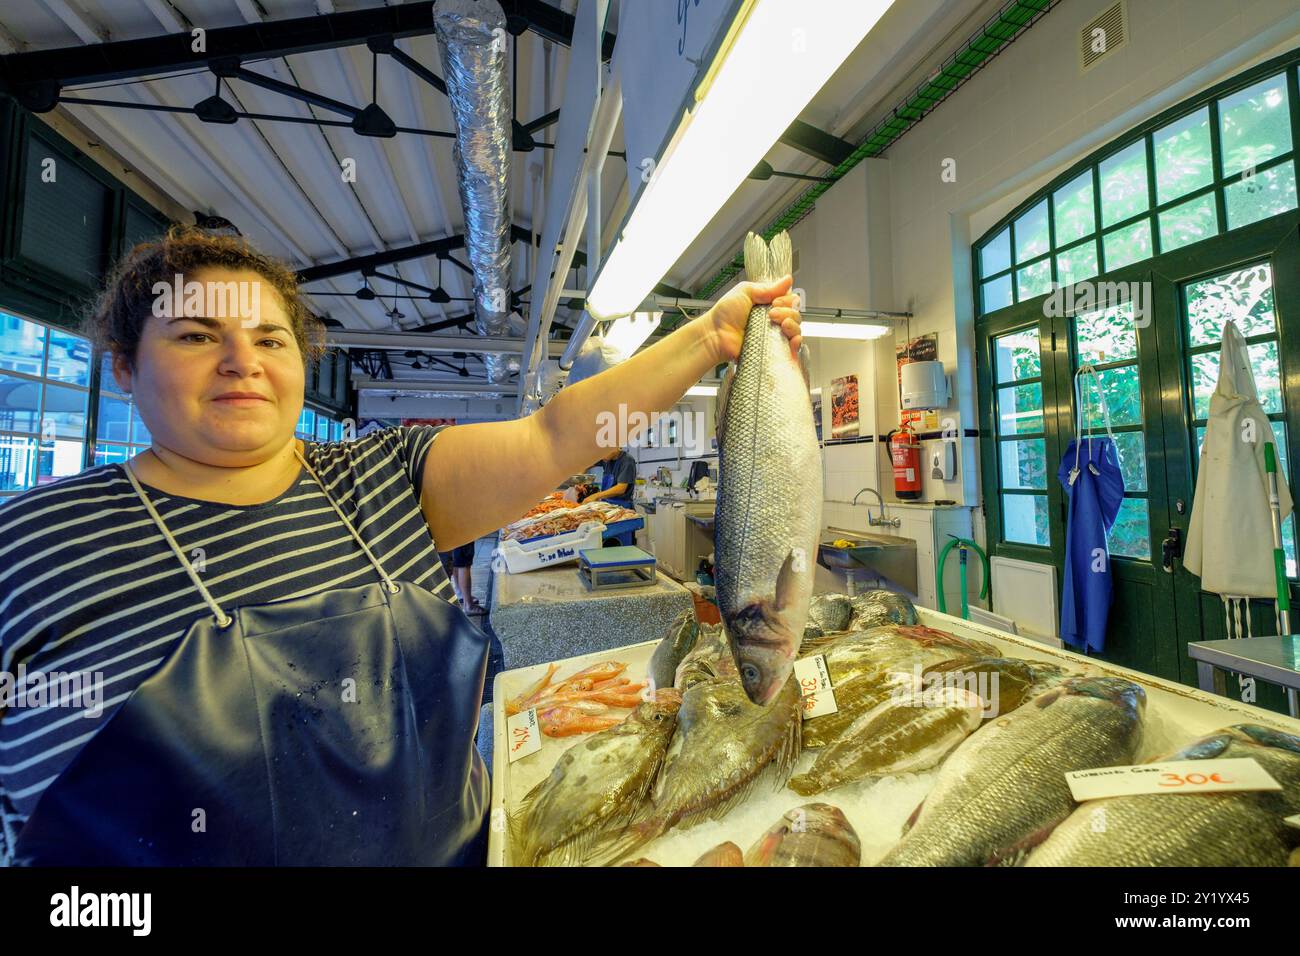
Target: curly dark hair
[(117, 317)]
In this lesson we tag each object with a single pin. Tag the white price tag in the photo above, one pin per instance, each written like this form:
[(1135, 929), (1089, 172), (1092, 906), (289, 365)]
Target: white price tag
[(1172, 776), (523, 735), (812, 675), (1292, 821), (819, 704)]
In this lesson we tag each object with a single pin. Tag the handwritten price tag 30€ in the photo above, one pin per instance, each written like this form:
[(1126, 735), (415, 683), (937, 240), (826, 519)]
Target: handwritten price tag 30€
[(1171, 776), (523, 736)]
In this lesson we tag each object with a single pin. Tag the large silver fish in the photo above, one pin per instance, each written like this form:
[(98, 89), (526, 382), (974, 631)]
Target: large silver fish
[(1237, 828), (723, 747), (1003, 789), (598, 783), (769, 493)]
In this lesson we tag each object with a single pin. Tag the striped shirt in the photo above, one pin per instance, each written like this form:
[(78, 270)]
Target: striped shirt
[(89, 586)]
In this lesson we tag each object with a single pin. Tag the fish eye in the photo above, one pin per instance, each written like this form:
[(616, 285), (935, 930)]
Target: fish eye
[(749, 673)]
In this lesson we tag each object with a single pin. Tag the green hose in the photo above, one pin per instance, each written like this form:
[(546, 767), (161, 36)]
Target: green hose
[(984, 584)]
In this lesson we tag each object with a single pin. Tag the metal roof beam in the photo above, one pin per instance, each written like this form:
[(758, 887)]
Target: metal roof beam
[(97, 62)]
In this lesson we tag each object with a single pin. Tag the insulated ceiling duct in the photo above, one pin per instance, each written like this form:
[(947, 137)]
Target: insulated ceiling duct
[(473, 41)]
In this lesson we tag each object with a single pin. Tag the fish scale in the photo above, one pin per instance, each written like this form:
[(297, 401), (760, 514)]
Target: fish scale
[(1004, 786), (769, 492), (1242, 828)]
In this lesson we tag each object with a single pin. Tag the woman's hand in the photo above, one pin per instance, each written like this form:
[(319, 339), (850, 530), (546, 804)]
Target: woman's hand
[(730, 313)]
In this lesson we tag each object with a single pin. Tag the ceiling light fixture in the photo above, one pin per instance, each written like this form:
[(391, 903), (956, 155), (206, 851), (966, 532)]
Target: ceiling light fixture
[(741, 108)]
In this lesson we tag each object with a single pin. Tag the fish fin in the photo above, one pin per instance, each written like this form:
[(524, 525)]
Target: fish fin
[(787, 582), (911, 821), (720, 405), (1013, 855), (610, 846), (757, 261), (788, 755), (780, 256), (805, 362)]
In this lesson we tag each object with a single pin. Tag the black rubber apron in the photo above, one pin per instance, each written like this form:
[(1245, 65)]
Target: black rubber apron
[(334, 729)]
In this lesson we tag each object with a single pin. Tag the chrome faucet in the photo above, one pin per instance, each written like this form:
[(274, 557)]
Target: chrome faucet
[(883, 519)]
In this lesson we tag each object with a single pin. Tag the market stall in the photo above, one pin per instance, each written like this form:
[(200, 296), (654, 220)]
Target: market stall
[(876, 809)]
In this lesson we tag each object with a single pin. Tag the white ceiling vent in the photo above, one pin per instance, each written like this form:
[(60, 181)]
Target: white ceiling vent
[(1106, 33)]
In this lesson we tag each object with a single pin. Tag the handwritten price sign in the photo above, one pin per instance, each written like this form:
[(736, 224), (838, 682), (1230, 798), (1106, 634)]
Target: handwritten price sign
[(812, 675), (523, 735), (822, 702), (1171, 776)]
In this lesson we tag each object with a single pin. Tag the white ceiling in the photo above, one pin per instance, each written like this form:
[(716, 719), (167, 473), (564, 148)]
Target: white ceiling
[(280, 183)]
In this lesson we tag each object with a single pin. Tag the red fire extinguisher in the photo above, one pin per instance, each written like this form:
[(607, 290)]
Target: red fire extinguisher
[(905, 451)]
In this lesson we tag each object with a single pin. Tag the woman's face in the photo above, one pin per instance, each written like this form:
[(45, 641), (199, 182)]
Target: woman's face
[(224, 387)]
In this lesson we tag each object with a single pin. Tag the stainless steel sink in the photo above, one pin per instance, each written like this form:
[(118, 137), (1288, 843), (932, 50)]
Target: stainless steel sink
[(870, 554)]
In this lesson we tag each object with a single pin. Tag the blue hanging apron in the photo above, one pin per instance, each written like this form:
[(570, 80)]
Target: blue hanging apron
[(1095, 487), (333, 729)]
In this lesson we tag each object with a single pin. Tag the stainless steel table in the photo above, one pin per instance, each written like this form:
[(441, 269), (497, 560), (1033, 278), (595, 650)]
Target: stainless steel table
[(1274, 660)]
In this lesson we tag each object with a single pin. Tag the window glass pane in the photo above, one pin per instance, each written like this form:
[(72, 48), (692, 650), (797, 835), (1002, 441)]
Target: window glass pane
[(1034, 280), (995, 256), (1020, 409), (22, 344), (1016, 355), (997, 293), (65, 410), (1188, 222), (20, 404), (1121, 388), (1131, 447), (1075, 265), (1279, 439), (1106, 335), (1024, 464), (1245, 296), (17, 463), (336, 431), (1130, 244), (1073, 210), (307, 423), (139, 433), (1263, 362), (1257, 197), (322, 428), (114, 420), (1024, 519), (1130, 536), (111, 454), (59, 459), (1031, 233), (69, 358), (1182, 156), (1254, 125), (1124, 184)]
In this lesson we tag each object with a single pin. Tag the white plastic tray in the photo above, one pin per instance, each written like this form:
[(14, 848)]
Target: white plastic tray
[(1175, 714)]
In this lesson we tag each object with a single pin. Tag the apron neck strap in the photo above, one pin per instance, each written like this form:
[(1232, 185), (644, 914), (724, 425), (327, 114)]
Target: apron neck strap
[(379, 568), (222, 618)]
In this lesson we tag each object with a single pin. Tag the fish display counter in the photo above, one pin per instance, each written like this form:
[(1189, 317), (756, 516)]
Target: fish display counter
[(549, 614), (696, 774)]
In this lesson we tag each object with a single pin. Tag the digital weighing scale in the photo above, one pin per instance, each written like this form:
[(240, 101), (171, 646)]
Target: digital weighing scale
[(604, 569)]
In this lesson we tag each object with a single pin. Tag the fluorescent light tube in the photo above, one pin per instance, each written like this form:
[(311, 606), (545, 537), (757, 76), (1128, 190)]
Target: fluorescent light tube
[(842, 330), (702, 390), (630, 332), (782, 54)]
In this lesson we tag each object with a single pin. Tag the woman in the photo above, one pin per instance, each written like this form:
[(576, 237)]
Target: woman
[(283, 677)]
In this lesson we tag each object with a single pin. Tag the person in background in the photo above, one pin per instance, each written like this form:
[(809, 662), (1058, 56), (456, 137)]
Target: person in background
[(618, 483), (459, 563)]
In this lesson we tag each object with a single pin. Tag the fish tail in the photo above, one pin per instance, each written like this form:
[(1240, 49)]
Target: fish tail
[(757, 261)]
